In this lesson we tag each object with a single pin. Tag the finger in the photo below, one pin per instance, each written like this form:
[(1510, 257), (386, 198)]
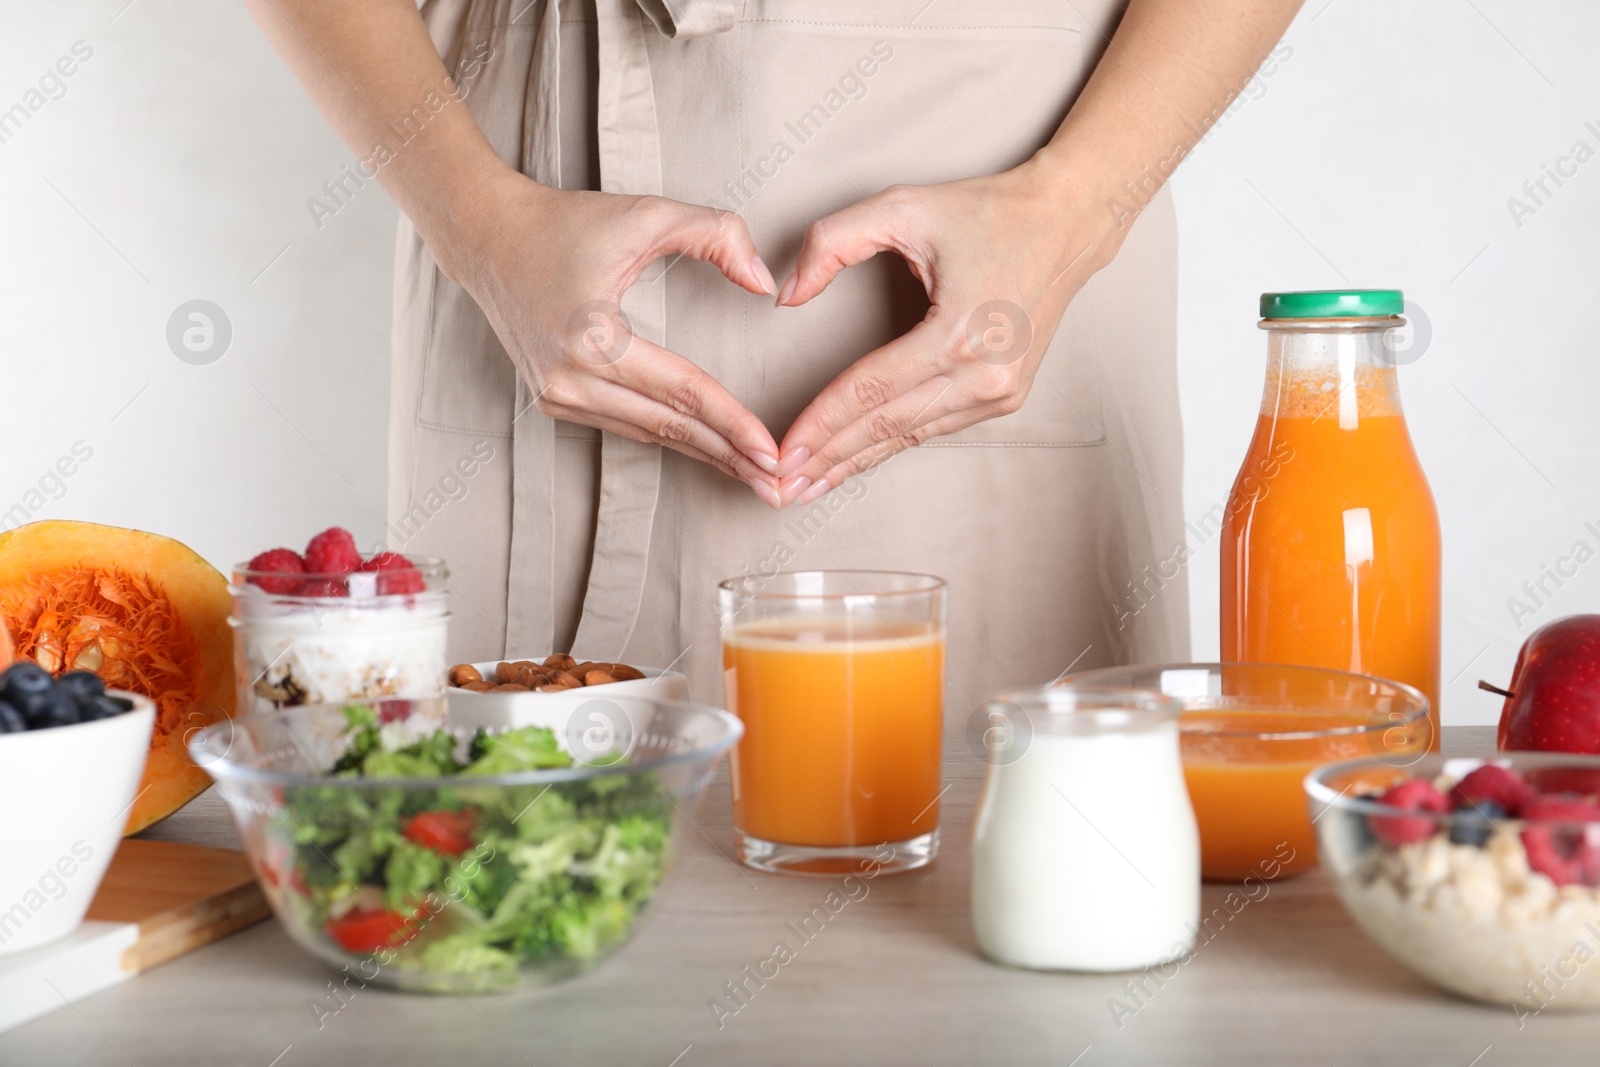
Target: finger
[(760, 482), (668, 424), (869, 383), (960, 420), (902, 416), (682, 386), (849, 236), (720, 238), (879, 452)]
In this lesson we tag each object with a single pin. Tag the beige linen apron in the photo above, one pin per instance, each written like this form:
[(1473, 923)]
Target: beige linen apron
[(1057, 526)]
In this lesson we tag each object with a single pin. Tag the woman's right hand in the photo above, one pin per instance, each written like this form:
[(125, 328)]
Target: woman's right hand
[(549, 268)]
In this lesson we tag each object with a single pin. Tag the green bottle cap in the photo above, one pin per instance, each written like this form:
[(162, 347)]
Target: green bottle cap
[(1333, 304)]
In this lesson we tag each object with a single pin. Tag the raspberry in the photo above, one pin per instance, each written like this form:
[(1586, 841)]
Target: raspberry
[(285, 561), (1495, 784), (1578, 780), (327, 587), (394, 711), (1416, 794), (396, 574), (333, 551), (1562, 839)]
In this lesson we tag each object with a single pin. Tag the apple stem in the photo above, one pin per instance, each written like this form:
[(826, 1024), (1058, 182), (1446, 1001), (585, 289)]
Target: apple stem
[(1508, 694)]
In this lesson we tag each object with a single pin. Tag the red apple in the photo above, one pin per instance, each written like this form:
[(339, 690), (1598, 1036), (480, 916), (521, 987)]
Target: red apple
[(1553, 702)]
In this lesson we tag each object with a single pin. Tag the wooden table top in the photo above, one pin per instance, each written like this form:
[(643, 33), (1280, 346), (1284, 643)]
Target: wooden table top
[(894, 978)]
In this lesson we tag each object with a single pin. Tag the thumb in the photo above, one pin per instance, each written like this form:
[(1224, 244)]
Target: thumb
[(720, 238), (852, 235)]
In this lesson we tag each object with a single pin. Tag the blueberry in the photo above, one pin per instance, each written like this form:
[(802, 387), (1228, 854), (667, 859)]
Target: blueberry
[(84, 685), (1473, 825), (60, 709), (103, 707), (11, 720), (26, 686)]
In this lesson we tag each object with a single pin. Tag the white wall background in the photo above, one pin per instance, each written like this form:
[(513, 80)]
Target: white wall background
[(176, 163)]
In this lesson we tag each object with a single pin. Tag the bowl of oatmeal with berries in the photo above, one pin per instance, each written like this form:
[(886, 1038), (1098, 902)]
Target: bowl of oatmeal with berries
[(1481, 874)]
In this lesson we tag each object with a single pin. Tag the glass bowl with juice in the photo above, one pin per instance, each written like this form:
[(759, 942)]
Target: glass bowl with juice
[(1251, 732)]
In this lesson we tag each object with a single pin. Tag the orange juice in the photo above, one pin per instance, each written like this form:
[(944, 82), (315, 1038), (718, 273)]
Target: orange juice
[(1249, 733), (842, 730), (1330, 546), (1247, 792)]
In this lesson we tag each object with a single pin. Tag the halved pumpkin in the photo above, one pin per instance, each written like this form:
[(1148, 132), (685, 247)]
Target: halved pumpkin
[(145, 613)]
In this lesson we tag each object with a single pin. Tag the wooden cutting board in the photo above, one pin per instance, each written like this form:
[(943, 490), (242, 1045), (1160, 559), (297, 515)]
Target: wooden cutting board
[(159, 900)]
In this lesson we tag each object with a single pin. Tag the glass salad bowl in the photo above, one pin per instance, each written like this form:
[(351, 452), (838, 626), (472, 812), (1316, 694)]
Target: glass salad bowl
[(1480, 873), (416, 851)]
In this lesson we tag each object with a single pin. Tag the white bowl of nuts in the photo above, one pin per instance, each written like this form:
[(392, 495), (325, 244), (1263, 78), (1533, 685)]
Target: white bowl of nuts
[(515, 693), (532, 679)]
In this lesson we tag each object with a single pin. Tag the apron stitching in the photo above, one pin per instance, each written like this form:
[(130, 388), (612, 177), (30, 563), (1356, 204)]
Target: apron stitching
[(1014, 444), (937, 28), (427, 330), (444, 427)]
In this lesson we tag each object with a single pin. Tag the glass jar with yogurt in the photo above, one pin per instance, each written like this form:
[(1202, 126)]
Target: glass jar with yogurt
[(1085, 854), (293, 646)]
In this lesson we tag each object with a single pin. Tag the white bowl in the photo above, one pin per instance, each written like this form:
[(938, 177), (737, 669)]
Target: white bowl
[(65, 792), (592, 703), (658, 685)]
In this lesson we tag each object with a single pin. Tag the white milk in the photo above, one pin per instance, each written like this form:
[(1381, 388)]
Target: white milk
[(1085, 856)]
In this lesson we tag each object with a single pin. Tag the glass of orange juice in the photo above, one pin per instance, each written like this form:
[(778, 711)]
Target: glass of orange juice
[(1251, 732), (838, 677)]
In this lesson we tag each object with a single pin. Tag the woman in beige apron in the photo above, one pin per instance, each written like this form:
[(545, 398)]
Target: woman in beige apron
[(1035, 371)]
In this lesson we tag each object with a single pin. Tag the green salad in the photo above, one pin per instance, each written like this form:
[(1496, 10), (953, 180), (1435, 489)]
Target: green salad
[(467, 882)]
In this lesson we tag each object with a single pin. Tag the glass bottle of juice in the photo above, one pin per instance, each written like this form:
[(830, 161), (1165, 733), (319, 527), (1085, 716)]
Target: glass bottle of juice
[(1330, 547)]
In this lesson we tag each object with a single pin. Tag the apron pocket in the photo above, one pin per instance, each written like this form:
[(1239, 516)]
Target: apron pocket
[(468, 382)]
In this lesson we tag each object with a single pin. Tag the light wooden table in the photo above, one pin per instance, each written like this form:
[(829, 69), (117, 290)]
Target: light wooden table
[(894, 978)]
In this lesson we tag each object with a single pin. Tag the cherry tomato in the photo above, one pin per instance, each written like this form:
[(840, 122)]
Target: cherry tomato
[(446, 832), (367, 930), (278, 868)]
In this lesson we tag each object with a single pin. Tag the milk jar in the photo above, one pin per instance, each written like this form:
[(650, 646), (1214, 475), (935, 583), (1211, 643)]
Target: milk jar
[(1085, 855)]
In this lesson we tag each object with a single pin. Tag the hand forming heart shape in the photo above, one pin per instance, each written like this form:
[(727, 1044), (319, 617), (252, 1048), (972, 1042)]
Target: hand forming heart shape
[(996, 255)]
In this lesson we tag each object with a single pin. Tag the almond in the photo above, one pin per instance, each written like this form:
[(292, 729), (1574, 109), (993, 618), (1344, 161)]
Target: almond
[(624, 673), (462, 673), (478, 686), (552, 689), (560, 661), (503, 673), (566, 680), (597, 678), (508, 687)]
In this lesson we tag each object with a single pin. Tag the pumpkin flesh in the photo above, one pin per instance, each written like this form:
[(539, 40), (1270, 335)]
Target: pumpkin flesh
[(145, 613)]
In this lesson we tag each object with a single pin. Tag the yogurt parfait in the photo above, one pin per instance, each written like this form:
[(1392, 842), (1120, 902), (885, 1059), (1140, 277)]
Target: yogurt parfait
[(329, 625)]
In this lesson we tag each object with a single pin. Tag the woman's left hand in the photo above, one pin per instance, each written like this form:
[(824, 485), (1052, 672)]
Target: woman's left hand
[(1001, 257)]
